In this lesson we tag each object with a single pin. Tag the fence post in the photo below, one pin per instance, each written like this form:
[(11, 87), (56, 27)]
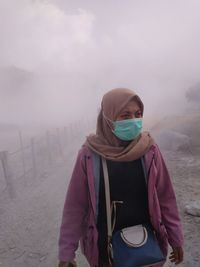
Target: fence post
[(65, 135), (22, 151), (48, 148), (33, 157), (7, 174)]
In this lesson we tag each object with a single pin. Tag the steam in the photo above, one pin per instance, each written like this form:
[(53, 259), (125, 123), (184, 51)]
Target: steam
[(58, 58)]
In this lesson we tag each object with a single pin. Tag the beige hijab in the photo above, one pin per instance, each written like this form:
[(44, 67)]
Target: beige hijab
[(104, 142)]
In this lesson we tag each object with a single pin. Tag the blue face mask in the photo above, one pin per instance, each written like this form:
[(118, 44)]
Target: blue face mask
[(127, 130)]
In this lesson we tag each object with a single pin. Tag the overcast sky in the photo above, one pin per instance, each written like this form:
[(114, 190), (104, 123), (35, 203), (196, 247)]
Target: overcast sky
[(57, 58)]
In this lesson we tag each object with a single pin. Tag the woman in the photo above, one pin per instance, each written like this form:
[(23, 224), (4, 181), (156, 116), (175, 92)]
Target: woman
[(129, 153)]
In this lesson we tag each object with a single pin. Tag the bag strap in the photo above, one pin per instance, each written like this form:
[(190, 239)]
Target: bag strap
[(107, 194), (110, 208)]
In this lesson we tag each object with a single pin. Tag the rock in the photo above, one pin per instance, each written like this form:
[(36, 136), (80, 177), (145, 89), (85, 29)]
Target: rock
[(42, 258), (193, 208)]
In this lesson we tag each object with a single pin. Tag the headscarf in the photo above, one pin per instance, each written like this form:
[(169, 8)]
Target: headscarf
[(104, 142)]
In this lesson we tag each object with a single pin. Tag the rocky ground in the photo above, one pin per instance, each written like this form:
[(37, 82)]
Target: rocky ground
[(29, 224), (185, 170)]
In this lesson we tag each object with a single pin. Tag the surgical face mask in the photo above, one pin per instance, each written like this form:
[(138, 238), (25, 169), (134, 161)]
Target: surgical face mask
[(127, 130)]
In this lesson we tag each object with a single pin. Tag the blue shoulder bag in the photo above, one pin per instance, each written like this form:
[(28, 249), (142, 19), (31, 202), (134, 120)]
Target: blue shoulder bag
[(134, 246)]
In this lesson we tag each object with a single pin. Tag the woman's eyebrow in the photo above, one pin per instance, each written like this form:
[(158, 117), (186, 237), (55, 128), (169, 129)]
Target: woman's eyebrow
[(125, 111)]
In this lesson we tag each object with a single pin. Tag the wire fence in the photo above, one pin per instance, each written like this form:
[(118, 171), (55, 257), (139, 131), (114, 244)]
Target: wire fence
[(25, 166)]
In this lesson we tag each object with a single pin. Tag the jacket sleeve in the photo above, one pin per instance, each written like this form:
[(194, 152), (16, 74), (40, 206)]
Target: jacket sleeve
[(74, 212), (167, 201)]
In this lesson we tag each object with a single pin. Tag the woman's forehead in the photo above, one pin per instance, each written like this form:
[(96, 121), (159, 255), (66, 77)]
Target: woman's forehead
[(131, 105)]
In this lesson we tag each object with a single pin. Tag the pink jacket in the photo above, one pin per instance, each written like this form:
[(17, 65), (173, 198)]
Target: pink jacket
[(80, 213)]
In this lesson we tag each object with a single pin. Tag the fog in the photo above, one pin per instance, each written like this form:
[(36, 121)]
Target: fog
[(57, 58)]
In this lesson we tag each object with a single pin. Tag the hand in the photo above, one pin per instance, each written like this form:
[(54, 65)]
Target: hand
[(176, 256), (67, 264)]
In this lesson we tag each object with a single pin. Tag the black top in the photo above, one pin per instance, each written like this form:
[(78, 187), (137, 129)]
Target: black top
[(127, 183)]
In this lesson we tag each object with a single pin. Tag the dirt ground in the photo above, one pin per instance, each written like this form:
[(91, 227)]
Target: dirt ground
[(29, 224)]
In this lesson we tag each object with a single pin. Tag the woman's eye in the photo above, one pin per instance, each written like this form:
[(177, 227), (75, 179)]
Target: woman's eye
[(138, 114), (126, 117)]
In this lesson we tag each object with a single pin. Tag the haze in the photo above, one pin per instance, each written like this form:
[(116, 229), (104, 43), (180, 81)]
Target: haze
[(57, 58)]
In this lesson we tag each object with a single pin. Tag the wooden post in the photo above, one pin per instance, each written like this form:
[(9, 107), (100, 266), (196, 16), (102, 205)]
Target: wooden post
[(33, 157), (22, 153), (48, 148), (65, 139), (68, 134), (65, 135), (7, 174)]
